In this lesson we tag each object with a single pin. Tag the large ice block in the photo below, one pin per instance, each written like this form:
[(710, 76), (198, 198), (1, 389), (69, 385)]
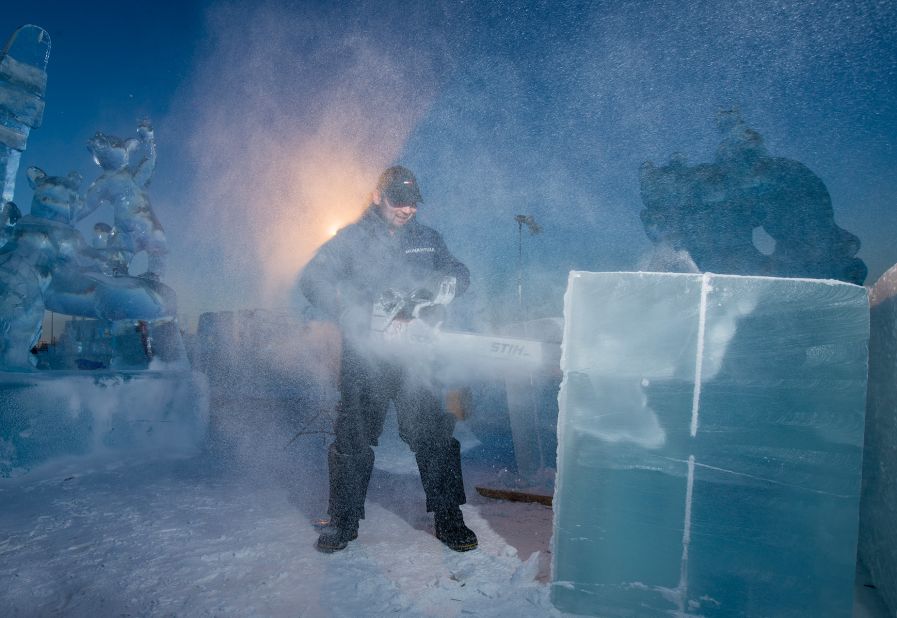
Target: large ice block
[(878, 535), (710, 445)]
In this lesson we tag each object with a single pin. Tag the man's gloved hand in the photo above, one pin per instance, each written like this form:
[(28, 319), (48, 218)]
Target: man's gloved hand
[(445, 290), (390, 304), (420, 296), (432, 314)]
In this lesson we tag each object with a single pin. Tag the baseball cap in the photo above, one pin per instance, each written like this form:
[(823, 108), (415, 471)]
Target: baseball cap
[(399, 186)]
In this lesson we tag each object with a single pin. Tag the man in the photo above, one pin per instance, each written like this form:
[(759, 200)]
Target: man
[(386, 249)]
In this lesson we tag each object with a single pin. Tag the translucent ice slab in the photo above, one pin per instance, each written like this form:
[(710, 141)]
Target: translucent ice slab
[(710, 445), (878, 534), (46, 415)]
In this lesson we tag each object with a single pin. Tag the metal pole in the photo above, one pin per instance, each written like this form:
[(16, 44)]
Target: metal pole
[(534, 228), (520, 219)]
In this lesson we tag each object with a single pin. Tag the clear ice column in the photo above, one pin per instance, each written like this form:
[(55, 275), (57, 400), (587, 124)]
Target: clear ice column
[(710, 445), (23, 82)]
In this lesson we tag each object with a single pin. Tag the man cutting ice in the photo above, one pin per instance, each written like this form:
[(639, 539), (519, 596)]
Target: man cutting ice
[(386, 250)]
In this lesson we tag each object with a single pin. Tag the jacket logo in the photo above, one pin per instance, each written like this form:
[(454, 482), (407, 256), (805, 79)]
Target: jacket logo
[(421, 250)]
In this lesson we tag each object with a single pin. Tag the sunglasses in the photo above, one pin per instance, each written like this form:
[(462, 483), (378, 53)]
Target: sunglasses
[(400, 206)]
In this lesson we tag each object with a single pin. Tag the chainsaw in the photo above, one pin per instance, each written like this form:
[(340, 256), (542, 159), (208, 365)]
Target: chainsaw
[(409, 326)]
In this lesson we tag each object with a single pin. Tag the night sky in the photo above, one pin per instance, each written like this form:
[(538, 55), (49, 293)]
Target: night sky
[(274, 119)]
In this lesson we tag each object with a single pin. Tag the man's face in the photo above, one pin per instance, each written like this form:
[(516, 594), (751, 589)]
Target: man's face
[(396, 215)]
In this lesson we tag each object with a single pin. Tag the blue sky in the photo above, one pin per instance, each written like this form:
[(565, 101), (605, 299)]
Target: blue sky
[(274, 118)]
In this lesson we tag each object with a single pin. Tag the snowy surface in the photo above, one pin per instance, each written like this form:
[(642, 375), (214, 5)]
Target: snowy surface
[(227, 535), (230, 533)]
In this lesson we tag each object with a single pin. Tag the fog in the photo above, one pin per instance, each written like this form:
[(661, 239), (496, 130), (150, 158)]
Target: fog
[(290, 112), (290, 116)]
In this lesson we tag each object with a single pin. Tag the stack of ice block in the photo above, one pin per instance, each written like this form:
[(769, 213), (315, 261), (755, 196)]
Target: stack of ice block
[(710, 445)]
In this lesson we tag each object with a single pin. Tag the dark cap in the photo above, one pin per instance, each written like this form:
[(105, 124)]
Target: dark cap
[(399, 186)]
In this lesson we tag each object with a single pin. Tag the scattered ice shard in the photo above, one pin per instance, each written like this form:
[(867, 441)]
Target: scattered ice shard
[(710, 445), (23, 81)]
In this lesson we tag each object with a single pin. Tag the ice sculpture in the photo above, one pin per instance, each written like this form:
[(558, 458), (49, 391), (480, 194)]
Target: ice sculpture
[(105, 241), (141, 394), (9, 216), (46, 264), (23, 81), (704, 218), (710, 445), (128, 167), (878, 536)]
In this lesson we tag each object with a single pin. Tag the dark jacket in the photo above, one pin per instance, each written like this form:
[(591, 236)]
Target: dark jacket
[(352, 269)]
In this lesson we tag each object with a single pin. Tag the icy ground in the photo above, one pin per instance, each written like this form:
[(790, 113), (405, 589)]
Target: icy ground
[(230, 533)]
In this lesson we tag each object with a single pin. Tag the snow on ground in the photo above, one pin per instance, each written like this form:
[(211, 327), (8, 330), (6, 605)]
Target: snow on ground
[(230, 533)]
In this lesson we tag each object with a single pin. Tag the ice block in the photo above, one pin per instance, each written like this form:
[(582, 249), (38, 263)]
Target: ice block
[(878, 534), (710, 442), (50, 415)]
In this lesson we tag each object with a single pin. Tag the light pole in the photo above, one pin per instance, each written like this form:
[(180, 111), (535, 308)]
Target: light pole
[(534, 229)]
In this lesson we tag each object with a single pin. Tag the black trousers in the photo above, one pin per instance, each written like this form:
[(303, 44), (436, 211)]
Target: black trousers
[(366, 389)]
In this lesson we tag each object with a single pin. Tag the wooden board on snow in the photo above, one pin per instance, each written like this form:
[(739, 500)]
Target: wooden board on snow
[(514, 495)]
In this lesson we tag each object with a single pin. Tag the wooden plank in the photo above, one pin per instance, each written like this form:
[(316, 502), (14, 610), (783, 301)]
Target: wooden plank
[(514, 495)]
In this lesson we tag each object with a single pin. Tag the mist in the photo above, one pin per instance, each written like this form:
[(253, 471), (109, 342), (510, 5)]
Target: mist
[(289, 118), (291, 111)]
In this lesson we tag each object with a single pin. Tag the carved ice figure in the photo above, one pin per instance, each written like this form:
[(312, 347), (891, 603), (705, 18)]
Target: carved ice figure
[(45, 263), (712, 211), (23, 81), (9, 216), (21, 292), (128, 167), (105, 242), (55, 198), (36, 245)]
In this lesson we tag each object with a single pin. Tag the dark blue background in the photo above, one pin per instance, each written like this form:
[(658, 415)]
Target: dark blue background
[(542, 108)]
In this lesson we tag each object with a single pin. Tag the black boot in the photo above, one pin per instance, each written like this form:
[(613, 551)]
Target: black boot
[(450, 529), (440, 473), (336, 535)]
